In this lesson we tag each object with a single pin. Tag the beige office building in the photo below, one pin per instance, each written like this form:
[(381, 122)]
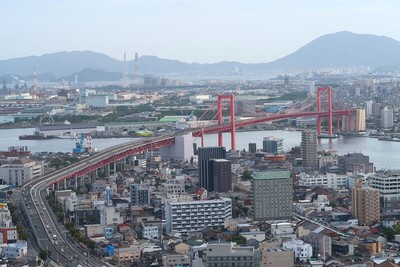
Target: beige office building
[(271, 257), (354, 122), (365, 204), (308, 148)]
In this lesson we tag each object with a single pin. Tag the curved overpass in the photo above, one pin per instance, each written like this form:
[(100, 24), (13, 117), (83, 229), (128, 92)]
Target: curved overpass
[(44, 223)]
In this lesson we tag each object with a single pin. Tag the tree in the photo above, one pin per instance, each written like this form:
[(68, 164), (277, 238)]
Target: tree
[(246, 175), (44, 254), (238, 239)]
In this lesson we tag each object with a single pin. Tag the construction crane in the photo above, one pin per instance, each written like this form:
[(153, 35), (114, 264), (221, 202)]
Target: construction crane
[(82, 147)]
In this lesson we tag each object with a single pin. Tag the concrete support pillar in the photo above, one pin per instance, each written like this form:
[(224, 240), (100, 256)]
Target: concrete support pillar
[(65, 184)]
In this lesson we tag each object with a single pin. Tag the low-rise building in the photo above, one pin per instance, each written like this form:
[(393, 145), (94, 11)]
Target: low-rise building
[(129, 254), (279, 230), (151, 230), (321, 244), (15, 250), (271, 257), (328, 180), (302, 251), (172, 260), (231, 255), (19, 171)]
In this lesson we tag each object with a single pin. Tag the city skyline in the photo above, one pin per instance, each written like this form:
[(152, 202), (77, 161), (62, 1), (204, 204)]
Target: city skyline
[(189, 31)]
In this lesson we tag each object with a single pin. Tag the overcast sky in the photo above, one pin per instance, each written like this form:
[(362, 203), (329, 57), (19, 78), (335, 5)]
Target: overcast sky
[(187, 30)]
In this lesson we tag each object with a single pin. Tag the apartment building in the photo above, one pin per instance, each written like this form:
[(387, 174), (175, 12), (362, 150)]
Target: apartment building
[(191, 216)]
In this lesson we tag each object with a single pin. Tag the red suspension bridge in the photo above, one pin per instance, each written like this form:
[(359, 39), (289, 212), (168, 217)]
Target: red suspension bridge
[(118, 153)]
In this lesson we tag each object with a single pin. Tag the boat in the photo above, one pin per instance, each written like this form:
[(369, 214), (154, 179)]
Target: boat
[(327, 136), (389, 138), (355, 134), (35, 136), (67, 135)]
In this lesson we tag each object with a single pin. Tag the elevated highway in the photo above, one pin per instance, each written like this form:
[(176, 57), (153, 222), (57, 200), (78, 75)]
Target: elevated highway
[(43, 221)]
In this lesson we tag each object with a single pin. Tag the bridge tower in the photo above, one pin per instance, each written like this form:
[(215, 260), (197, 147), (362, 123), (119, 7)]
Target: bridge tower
[(320, 92), (231, 98)]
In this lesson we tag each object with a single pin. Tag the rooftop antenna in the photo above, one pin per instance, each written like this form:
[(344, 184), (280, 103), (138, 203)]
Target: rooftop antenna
[(137, 78), (125, 76)]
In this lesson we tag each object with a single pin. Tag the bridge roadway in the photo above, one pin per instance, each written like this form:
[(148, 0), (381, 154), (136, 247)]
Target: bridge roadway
[(44, 223)]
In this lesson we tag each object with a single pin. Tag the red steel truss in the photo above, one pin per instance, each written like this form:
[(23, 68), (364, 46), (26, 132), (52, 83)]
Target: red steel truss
[(227, 127), (167, 141), (151, 145)]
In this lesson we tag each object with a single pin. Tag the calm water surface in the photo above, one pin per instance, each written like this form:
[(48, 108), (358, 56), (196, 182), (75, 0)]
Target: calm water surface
[(383, 154)]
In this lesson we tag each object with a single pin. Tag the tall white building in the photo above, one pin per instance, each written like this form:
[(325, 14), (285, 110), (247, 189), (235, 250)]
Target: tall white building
[(182, 150), (368, 108), (388, 185), (302, 251), (386, 118), (191, 216)]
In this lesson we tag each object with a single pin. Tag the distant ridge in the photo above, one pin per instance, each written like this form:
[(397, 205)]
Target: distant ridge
[(326, 51), (331, 49)]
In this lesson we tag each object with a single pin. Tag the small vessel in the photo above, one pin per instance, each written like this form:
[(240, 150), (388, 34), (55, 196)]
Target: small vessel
[(389, 138), (327, 136), (67, 135), (35, 136)]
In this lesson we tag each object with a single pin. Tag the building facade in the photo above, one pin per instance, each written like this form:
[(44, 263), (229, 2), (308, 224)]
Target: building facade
[(181, 150), (365, 204), (271, 257), (19, 171), (272, 193), (388, 185), (192, 216), (308, 149), (140, 195), (321, 244), (354, 122), (174, 260), (221, 175), (229, 255), (205, 155), (328, 180), (355, 162), (273, 145), (302, 251), (386, 118)]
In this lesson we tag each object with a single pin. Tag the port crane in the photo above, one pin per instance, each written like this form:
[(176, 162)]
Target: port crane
[(83, 145)]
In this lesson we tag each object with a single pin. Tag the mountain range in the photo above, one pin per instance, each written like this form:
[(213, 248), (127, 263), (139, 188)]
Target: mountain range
[(331, 50)]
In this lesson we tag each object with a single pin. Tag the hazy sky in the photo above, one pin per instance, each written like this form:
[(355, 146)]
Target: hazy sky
[(187, 30)]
